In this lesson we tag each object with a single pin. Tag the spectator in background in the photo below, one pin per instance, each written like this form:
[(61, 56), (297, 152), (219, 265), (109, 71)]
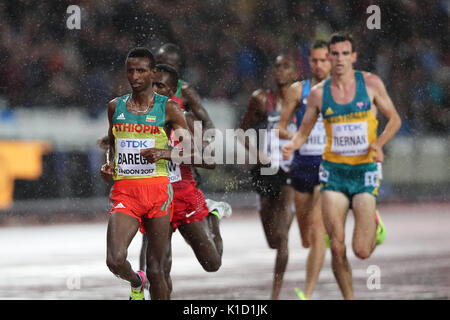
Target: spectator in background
[(38, 53)]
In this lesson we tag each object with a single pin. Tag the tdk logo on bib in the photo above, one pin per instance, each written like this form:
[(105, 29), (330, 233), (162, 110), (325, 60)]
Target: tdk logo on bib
[(134, 144), (349, 127)]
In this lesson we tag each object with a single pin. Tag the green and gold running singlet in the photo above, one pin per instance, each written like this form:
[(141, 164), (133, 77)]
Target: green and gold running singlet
[(135, 132)]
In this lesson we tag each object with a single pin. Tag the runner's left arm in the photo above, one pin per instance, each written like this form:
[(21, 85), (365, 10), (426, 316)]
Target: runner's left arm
[(383, 102)]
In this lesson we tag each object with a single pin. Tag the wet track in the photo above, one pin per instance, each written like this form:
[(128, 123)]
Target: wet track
[(67, 261)]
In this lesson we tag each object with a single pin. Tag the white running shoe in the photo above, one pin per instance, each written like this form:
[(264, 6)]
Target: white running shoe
[(223, 208)]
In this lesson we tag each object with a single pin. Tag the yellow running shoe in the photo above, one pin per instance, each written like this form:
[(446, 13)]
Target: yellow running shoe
[(327, 241), (138, 294), (300, 294), (381, 230)]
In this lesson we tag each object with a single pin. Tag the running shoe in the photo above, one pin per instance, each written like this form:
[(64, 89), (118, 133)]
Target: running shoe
[(327, 241), (138, 294), (220, 209), (300, 294), (381, 230)]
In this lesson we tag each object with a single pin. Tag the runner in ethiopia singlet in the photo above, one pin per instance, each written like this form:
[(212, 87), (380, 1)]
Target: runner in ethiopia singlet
[(305, 165), (140, 188), (189, 201)]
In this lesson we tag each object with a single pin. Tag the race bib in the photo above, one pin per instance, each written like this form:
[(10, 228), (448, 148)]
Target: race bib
[(350, 138), (274, 145), (316, 141), (174, 172), (323, 174), (129, 161), (371, 179)]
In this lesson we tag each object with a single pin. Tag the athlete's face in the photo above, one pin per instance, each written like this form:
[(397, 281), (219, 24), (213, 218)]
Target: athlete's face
[(319, 63), (284, 71), (161, 84), (139, 73), (342, 57)]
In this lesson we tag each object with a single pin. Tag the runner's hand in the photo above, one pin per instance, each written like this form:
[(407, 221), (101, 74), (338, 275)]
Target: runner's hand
[(152, 155), (288, 148), (379, 155), (107, 171), (263, 160)]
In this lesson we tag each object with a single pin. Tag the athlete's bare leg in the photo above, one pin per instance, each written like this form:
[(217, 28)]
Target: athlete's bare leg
[(312, 230), (335, 206), (168, 260), (200, 237), (121, 231), (276, 216), (143, 252), (213, 222), (364, 235), (157, 232)]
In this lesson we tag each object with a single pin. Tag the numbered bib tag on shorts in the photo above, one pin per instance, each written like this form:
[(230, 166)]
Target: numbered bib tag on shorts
[(274, 145), (350, 138), (174, 172), (371, 179), (323, 174), (129, 160)]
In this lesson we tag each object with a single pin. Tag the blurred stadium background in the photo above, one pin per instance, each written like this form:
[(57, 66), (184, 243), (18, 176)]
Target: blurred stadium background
[(55, 84)]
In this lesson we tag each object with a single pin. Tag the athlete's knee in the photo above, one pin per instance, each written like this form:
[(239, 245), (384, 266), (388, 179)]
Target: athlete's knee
[(306, 238), (305, 243), (278, 241), (156, 270), (115, 261), (338, 249), (212, 265), (361, 251)]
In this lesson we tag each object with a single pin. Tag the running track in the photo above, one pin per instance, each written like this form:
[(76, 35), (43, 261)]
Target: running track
[(67, 261)]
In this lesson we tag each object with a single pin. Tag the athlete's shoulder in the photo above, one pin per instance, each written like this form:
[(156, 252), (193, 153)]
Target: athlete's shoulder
[(296, 89), (172, 106), (260, 94), (113, 101), (371, 79), (297, 86), (186, 88), (112, 105), (189, 93), (317, 89)]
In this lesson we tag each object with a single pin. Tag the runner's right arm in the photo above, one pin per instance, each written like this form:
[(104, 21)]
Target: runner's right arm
[(254, 114), (313, 108), (107, 170), (290, 103)]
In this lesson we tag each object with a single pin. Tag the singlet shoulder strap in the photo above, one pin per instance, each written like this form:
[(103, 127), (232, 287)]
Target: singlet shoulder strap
[(179, 86)]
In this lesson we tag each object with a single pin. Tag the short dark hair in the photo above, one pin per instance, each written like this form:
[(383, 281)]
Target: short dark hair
[(341, 37), (318, 44), (172, 49), (173, 74), (169, 48), (141, 52)]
